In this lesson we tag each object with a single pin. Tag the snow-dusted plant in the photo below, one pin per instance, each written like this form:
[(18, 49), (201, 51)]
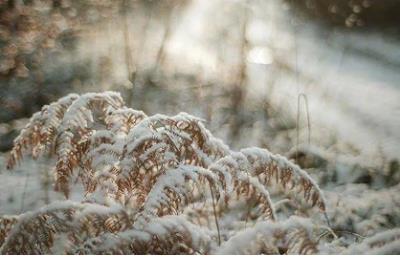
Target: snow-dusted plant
[(155, 184)]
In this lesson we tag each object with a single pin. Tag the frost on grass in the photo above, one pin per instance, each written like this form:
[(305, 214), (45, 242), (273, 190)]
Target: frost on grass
[(158, 185)]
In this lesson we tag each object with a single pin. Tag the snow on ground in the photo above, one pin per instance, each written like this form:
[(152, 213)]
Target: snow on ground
[(28, 187)]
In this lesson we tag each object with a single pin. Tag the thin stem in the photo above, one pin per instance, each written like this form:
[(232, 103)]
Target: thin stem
[(130, 68), (23, 194), (333, 233), (239, 92), (160, 57), (299, 97), (215, 215)]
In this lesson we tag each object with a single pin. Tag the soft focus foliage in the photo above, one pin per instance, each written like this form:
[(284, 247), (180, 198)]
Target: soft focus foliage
[(353, 13)]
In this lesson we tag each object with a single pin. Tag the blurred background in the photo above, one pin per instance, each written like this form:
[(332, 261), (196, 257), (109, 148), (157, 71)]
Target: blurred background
[(315, 80)]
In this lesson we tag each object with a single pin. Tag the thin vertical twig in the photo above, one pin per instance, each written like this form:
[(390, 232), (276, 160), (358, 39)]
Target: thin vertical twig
[(299, 97), (160, 57), (130, 68), (215, 214), (239, 92), (45, 181), (23, 194)]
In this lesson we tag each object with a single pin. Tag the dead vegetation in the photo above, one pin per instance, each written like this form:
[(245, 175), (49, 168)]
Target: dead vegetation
[(158, 170), (138, 184)]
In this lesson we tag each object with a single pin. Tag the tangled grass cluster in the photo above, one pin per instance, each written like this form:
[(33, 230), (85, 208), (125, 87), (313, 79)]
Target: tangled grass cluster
[(139, 184)]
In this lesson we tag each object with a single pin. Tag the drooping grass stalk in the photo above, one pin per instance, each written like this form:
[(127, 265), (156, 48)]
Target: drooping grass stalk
[(299, 97)]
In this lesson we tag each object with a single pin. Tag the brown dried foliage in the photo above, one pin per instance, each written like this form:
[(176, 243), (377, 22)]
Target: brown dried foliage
[(153, 167)]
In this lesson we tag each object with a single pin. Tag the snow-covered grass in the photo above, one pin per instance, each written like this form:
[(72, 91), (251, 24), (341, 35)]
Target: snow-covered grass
[(160, 184), (350, 80)]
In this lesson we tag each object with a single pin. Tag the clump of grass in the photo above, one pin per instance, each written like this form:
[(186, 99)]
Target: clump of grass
[(156, 185)]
